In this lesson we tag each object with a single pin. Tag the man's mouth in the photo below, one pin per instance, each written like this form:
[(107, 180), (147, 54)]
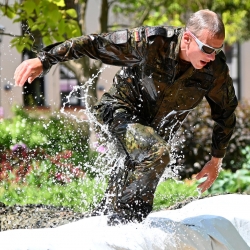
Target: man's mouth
[(203, 62)]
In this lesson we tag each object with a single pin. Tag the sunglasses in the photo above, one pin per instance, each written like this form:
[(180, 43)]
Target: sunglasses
[(204, 47)]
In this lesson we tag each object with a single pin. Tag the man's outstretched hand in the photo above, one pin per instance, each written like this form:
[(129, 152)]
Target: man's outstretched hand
[(28, 70), (211, 171)]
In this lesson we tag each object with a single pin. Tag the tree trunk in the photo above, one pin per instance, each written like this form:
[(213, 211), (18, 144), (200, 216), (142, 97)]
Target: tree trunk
[(83, 68)]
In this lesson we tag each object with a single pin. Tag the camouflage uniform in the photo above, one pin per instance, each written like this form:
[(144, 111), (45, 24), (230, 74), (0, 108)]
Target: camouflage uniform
[(150, 97)]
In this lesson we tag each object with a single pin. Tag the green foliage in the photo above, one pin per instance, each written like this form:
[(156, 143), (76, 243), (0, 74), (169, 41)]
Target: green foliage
[(54, 134), (7, 11), (47, 21), (246, 153), (171, 191), (235, 14), (229, 182)]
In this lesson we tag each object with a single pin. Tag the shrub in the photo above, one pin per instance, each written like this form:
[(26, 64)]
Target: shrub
[(27, 142), (54, 134), (228, 182)]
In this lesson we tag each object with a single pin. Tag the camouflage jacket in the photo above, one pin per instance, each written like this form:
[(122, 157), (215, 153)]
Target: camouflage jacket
[(153, 83)]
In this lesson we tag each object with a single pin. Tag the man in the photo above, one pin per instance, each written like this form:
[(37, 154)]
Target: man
[(166, 72)]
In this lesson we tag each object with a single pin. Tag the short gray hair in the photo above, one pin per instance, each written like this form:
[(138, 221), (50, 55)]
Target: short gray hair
[(206, 19)]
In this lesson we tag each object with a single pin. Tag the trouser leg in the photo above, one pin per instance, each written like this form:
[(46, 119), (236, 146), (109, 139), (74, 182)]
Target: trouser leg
[(147, 158)]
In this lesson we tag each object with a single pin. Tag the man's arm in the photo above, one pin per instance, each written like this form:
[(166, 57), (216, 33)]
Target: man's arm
[(223, 102), (116, 48)]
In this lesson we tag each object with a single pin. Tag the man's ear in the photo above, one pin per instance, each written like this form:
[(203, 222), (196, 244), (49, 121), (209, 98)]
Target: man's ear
[(186, 38)]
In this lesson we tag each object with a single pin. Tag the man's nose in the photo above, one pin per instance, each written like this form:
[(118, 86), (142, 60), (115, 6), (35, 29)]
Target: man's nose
[(211, 56)]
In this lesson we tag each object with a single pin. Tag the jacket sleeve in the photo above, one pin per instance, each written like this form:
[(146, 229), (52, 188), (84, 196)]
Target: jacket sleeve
[(223, 102), (118, 48)]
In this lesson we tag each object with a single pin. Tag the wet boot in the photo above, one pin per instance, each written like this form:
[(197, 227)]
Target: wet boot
[(125, 215)]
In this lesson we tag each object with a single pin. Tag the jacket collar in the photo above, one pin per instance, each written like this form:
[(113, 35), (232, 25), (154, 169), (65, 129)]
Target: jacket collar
[(175, 45)]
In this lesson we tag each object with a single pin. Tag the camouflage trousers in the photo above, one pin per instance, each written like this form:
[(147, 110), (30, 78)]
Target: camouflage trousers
[(132, 187)]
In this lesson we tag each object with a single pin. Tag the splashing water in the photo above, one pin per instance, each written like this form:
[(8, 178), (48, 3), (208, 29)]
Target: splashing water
[(109, 158)]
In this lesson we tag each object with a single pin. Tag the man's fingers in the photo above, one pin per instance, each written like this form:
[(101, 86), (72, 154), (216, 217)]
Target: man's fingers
[(21, 75), (202, 189), (211, 171), (28, 70), (31, 79), (198, 176), (204, 185), (201, 174)]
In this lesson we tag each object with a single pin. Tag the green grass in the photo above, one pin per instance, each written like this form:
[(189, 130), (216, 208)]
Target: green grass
[(83, 195), (171, 191), (78, 195)]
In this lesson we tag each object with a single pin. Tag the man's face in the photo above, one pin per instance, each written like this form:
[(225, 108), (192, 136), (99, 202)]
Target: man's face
[(194, 54)]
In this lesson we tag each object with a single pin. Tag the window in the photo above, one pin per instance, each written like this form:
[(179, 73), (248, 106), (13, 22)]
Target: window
[(69, 88)]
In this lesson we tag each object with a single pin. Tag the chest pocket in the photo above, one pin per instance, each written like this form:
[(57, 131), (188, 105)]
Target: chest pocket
[(200, 80)]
